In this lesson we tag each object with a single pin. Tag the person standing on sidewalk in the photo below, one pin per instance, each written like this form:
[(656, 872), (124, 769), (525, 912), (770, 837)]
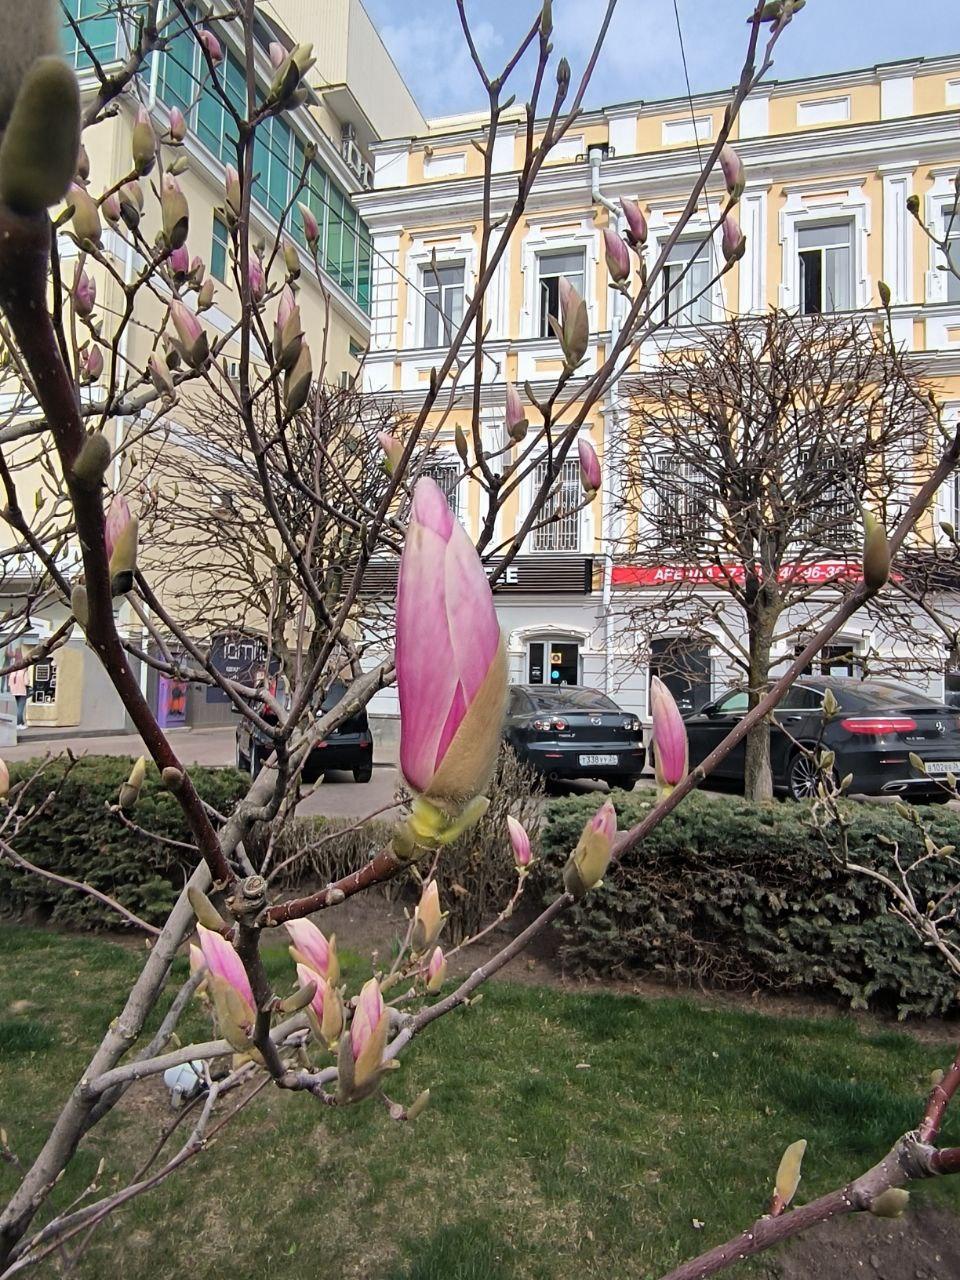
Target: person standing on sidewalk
[(19, 681)]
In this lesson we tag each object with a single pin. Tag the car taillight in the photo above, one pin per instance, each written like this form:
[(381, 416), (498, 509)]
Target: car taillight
[(541, 725), (879, 726), (559, 725)]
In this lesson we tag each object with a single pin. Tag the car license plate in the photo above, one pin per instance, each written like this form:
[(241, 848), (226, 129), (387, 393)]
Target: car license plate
[(940, 768), (599, 759)]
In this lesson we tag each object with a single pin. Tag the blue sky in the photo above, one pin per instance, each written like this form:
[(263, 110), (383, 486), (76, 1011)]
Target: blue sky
[(641, 58)]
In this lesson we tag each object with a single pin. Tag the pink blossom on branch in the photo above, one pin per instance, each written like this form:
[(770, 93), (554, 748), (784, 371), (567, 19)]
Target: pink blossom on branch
[(520, 842), (366, 1018), (636, 222), (211, 45), (669, 736), (451, 663), (222, 960), (734, 175), (311, 947), (257, 279), (84, 293), (617, 254), (733, 241), (590, 476)]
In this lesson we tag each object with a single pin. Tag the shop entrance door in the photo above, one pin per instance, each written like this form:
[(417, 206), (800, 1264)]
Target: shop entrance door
[(554, 662)]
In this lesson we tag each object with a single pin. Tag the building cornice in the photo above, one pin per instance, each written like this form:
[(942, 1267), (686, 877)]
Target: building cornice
[(863, 147)]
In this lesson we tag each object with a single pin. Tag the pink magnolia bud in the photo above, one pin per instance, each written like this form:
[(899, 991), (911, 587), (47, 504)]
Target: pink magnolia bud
[(392, 451), (450, 657), (636, 223), (520, 842), (197, 962), (287, 330), (310, 947), (205, 295), (131, 203), (193, 346), (669, 736), (94, 362), (211, 46), (733, 172), (174, 211), (257, 279), (366, 1017), (733, 241), (311, 228), (197, 269), (234, 194), (118, 518), (86, 215), (177, 125), (84, 293), (516, 418), (159, 373), (110, 208), (179, 262), (143, 143), (618, 256), (575, 327), (590, 859), (222, 960), (436, 971), (590, 476), (278, 54), (286, 306), (427, 920)]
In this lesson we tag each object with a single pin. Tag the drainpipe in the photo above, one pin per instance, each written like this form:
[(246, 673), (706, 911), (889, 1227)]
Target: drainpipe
[(610, 414)]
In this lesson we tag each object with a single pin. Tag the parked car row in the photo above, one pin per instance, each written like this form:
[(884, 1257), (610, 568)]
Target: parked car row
[(572, 732)]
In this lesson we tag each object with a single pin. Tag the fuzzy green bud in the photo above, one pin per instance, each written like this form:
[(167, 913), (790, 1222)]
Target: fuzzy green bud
[(38, 155)]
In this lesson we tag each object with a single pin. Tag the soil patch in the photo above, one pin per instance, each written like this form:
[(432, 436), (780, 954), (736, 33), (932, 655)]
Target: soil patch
[(923, 1245)]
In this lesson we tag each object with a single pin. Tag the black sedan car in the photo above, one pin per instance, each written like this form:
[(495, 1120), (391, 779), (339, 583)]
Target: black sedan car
[(572, 732), (349, 747), (878, 725)]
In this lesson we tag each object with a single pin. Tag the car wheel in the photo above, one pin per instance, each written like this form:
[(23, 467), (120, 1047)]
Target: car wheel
[(363, 774), (802, 777)]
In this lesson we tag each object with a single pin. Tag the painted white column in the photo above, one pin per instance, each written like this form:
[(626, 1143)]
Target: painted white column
[(753, 265), (897, 228), (385, 290)]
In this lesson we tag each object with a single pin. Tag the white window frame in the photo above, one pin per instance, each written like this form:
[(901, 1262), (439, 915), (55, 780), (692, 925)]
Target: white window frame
[(941, 197), (457, 246), (431, 282), (650, 498), (662, 222), (824, 249), (543, 238), (583, 524), (808, 204), (576, 278)]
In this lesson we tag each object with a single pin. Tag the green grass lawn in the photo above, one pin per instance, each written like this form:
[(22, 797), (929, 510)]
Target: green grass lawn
[(568, 1136)]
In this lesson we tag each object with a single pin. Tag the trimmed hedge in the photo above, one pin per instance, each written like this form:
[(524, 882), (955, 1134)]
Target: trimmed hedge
[(735, 894), (78, 836)]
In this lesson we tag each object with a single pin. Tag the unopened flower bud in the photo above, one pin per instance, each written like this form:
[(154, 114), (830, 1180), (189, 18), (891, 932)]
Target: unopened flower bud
[(287, 331), (256, 278), (143, 143), (311, 228), (176, 214), (617, 254), (177, 125), (590, 859), (428, 920), (110, 208), (86, 216), (516, 418), (38, 151), (876, 552), (520, 843), (131, 203), (392, 451), (91, 365), (732, 241), (291, 259), (193, 345), (636, 223), (296, 384), (205, 295), (734, 175), (179, 263), (563, 78), (278, 54), (669, 737), (159, 373), (884, 291), (92, 460), (79, 606), (83, 163), (436, 971), (590, 476), (913, 206), (84, 293), (211, 46), (573, 331), (130, 791)]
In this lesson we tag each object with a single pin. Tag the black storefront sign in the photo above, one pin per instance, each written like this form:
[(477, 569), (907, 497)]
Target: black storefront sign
[(525, 575), (239, 658)]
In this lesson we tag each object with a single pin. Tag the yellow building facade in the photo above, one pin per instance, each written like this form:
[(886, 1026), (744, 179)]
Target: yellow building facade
[(830, 163)]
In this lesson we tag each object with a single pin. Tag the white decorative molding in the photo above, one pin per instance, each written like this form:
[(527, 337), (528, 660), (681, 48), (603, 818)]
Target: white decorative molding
[(896, 97), (451, 165), (567, 148), (378, 373), (754, 118), (824, 110), (390, 168), (753, 265), (897, 229), (504, 151), (803, 205), (940, 197), (622, 133), (953, 93), (675, 133)]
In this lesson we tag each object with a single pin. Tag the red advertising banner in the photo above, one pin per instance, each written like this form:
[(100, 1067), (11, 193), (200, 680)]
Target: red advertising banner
[(630, 575)]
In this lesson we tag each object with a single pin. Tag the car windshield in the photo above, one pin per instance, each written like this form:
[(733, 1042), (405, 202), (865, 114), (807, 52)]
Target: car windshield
[(334, 695), (570, 699)]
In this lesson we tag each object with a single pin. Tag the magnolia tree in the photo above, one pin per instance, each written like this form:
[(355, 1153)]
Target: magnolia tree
[(310, 1034)]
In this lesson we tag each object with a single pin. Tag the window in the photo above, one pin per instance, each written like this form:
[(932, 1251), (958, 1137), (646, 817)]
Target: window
[(734, 704), (675, 502), (826, 268), (834, 660), (799, 698), (550, 267), (827, 478), (687, 284), (562, 534), (443, 302), (218, 250), (951, 233), (178, 76), (555, 663), (950, 500), (447, 476), (99, 31), (271, 164), (518, 704)]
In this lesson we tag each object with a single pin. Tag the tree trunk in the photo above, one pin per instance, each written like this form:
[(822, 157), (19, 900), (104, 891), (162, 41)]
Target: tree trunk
[(757, 775)]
